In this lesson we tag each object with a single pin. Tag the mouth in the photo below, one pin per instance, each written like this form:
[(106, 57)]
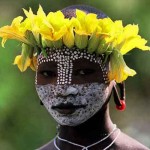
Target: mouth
[(67, 108)]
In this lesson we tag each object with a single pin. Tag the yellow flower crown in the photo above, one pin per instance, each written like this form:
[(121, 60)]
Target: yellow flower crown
[(101, 36)]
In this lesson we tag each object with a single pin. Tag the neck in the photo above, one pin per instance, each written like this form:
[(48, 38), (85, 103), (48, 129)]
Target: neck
[(90, 131)]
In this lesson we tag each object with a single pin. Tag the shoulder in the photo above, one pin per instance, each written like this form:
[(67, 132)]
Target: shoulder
[(48, 146), (125, 142)]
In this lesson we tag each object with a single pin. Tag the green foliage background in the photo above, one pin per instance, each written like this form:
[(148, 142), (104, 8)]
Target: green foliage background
[(24, 123)]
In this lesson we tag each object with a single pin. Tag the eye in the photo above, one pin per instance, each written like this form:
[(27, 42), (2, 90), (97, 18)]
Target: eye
[(83, 72), (48, 73)]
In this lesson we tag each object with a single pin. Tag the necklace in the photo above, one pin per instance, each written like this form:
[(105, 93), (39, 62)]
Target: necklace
[(87, 147)]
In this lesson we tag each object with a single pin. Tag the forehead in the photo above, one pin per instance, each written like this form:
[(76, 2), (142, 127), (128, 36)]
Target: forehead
[(65, 55)]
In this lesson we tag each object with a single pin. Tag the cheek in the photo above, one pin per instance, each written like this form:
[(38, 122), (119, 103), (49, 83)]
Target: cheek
[(45, 93), (94, 96), (86, 92), (94, 91)]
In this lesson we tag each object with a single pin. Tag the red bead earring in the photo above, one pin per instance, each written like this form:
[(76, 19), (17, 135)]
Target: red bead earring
[(120, 100)]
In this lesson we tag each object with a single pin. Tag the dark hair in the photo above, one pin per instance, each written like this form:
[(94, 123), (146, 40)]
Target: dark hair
[(69, 11)]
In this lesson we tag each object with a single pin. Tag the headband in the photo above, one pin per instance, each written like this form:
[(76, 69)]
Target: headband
[(85, 31)]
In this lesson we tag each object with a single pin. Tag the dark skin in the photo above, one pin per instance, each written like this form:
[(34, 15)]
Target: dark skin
[(89, 131)]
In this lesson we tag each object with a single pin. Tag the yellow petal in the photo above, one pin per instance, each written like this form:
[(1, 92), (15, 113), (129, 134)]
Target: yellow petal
[(13, 31), (16, 22), (119, 71), (105, 24), (80, 14), (33, 64), (8, 32), (56, 23), (18, 62), (28, 14), (40, 12), (127, 39), (53, 29), (4, 41), (134, 42), (68, 38), (85, 23)]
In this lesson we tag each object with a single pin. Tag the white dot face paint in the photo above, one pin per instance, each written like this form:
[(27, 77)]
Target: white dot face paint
[(84, 99), (90, 97), (65, 57)]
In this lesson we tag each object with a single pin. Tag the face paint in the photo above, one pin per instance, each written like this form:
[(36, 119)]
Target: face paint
[(87, 98), (84, 99), (64, 58)]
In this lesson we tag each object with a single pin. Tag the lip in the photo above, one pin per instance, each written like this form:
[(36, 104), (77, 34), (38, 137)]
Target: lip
[(67, 108)]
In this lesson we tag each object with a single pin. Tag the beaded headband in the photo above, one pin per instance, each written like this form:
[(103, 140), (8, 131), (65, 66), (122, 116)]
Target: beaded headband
[(85, 31)]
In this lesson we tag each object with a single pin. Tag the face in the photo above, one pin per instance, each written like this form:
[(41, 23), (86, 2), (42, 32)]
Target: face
[(72, 84)]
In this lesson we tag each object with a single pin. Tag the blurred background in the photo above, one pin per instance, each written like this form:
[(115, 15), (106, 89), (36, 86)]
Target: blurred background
[(24, 123)]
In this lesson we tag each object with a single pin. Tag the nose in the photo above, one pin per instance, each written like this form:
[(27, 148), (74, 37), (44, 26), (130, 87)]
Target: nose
[(69, 91)]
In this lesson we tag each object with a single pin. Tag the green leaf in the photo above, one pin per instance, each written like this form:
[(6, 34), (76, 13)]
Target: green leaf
[(81, 41)]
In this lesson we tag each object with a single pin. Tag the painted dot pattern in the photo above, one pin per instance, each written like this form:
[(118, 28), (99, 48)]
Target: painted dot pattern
[(91, 95), (65, 57)]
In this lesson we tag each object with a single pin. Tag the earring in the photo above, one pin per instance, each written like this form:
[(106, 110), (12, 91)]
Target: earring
[(120, 100)]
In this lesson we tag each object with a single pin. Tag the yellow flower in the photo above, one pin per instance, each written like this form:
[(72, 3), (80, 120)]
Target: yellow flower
[(85, 23), (119, 71), (100, 36), (22, 65), (129, 39), (99, 40), (33, 22), (113, 30), (108, 35), (106, 25), (53, 29), (13, 32), (26, 59), (33, 63), (68, 37)]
